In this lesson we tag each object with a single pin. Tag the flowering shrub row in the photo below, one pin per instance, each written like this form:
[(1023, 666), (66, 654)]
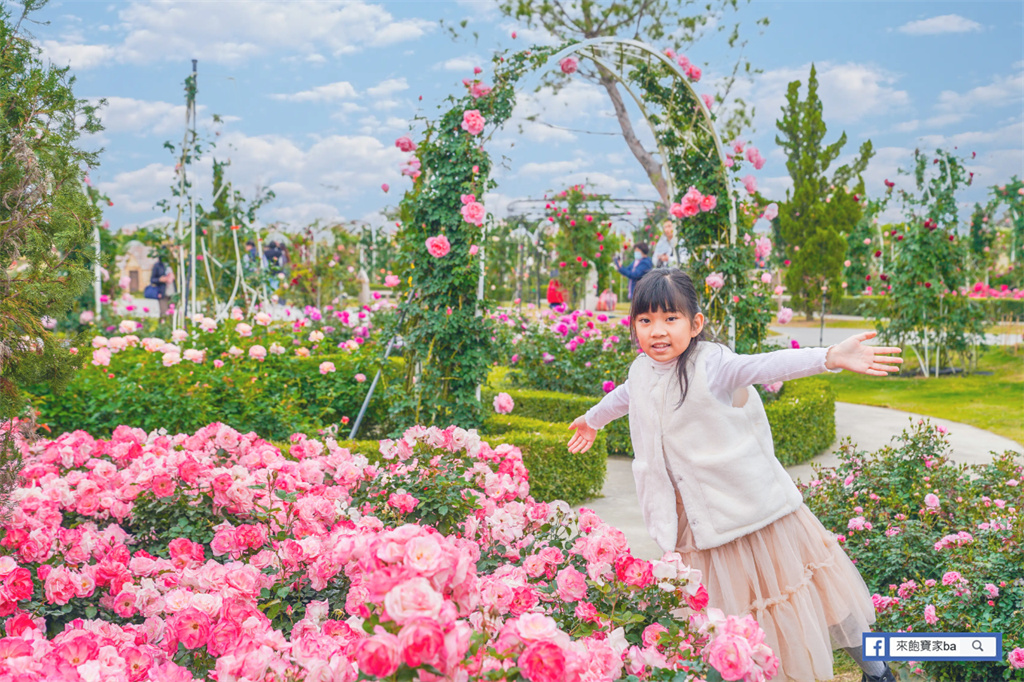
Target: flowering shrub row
[(157, 557), (939, 544)]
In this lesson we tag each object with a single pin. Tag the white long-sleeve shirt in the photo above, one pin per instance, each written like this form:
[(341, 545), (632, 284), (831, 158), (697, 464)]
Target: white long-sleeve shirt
[(727, 372)]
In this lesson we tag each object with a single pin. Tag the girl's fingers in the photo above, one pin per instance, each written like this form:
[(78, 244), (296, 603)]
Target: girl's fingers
[(865, 336)]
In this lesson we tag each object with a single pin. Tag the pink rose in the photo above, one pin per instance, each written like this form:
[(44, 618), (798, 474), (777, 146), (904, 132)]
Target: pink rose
[(415, 598), (59, 586), (771, 212), (931, 501), (709, 101), (929, 615), (1016, 658), (191, 626), (405, 144), (474, 213), (651, 634), (327, 367), (569, 65), (392, 281), (385, 187), (730, 655), (478, 90), (101, 357), (785, 315), (503, 403), (750, 184), (715, 280), (572, 585), (474, 249), (676, 210), (257, 352), (472, 122), (421, 642), (360, 377), (708, 202), (378, 656), (693, 73), (543, 662), (438, 246), (608, 386)]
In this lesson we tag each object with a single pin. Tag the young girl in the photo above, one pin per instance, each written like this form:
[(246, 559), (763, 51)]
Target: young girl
[(711, 488)]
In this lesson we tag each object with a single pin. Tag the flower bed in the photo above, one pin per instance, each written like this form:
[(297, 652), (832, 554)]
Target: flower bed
[(940, 545), (269, 377), (158, 557)]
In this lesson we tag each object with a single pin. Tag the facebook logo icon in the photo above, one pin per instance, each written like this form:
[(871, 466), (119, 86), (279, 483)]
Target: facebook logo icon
[(874, 647)]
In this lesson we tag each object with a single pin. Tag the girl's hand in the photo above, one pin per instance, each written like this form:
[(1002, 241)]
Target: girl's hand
[(853, 355), (584, 436)]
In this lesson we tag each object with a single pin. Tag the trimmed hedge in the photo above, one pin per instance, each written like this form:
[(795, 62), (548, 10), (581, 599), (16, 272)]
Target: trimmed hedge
[(802, 418), (555, 473)]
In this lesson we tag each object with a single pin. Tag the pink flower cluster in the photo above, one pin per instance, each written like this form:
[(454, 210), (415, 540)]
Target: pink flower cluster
[(317, 570), (693, 203), (982, 290), (738, 651)]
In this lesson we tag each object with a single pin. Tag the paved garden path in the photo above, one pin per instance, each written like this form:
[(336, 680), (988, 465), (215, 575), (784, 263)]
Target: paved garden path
[(869, 427)]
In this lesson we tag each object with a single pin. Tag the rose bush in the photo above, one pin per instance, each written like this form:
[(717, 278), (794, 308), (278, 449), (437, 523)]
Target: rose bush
[(939, 544), (170, 557), (270, 377)]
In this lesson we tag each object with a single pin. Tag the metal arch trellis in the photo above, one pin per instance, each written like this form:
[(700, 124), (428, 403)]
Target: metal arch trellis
[(619, 57)]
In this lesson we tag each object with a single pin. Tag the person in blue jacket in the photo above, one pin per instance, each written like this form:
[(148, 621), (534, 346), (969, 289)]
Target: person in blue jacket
[(638, 268)]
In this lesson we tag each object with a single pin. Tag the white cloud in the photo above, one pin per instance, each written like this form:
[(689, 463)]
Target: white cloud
[(388, 87), (464, 63), (849, 93), (1002, 91), (153, 30), (322, 93), (946, 23), (138, 190), (536, 168), (77, 55), (127, 115)]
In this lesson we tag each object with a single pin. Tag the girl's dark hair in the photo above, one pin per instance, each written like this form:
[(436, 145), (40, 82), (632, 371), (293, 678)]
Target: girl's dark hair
[(643, 246), (668, 290)]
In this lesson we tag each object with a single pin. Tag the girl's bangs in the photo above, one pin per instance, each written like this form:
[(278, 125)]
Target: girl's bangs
[(658, 295)]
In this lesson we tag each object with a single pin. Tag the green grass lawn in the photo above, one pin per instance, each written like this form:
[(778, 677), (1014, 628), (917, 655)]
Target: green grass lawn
[(994, 403)]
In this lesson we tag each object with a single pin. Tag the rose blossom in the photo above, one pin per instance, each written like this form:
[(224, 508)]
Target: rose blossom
[(258, 352), (569, 65), (929, 615), (405, 144), (715, 280), (572, 585), (474, 213), (931, 501), (438, 246), (392, 281), (503, 403), (421, 642), (543, 662), (378, 656), (785, 315), (413, 598), (326, 367), (472, 122)]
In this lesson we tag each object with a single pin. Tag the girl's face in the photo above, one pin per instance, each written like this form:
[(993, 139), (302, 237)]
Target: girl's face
[(664, 336)]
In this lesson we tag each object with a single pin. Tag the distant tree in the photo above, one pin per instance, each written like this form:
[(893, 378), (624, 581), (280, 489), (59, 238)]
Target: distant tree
[(674, 25), (46, 224), (820, 210)]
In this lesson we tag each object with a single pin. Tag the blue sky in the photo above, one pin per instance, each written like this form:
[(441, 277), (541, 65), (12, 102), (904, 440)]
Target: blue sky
[(313, 94)]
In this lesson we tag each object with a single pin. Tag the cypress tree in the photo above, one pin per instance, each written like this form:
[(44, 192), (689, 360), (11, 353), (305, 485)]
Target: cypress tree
[(819, 210)]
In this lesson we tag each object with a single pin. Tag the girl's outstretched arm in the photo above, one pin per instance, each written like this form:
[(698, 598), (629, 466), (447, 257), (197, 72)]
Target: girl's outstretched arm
[(611, 407), (852, 354), (728, 371)]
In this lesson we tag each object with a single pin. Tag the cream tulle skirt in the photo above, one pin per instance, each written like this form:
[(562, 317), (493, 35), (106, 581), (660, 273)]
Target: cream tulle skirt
[(796, 580)]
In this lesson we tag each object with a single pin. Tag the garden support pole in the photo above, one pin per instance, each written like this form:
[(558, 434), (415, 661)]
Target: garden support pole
[(97, 284), (376, 377)]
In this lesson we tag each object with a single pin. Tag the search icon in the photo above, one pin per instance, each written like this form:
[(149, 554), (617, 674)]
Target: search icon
[(976, 645)]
